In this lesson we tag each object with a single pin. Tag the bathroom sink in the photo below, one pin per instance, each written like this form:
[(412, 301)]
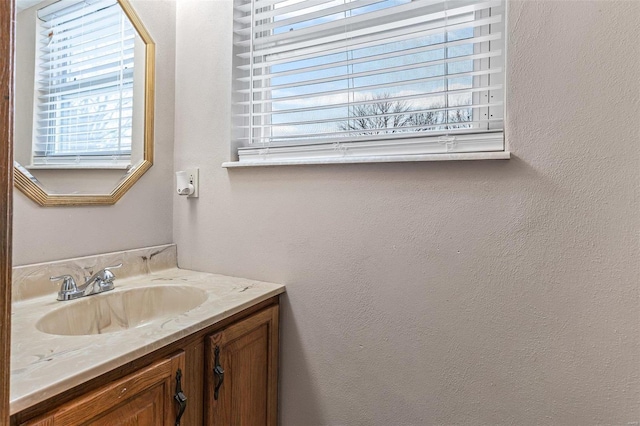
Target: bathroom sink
[(120, 310)]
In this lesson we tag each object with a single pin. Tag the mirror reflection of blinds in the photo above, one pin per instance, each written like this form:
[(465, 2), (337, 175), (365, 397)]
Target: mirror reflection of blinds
[(84, 92), (333, 71)]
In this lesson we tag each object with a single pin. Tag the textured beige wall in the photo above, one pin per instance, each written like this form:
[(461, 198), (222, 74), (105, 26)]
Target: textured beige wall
[(500, 292), (143, 217)]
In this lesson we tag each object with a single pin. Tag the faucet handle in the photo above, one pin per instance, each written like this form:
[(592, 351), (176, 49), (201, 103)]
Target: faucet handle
[(105, 277), (113, 267), (107, 274), (68, 283), (68, 289), (104, 273)]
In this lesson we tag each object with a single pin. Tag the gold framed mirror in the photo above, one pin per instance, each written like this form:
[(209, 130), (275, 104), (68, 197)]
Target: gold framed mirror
[(115, 130)]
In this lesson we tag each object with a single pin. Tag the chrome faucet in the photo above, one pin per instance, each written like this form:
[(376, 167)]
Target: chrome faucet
[(99, 282)]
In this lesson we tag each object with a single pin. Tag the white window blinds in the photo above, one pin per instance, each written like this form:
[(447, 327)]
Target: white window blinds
[(317, 78), (84, 92)]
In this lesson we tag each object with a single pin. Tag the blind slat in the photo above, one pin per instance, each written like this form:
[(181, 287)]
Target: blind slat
[(246, 7), (85, 61), (372, 101), (384, 24), (271, 12), (64, 10), (71, 135), (110, 63), (457, 126), (94, 120), (90, 88), (388, 114), (379, 71), (354, 61), (104, 106), (314, 13), (81, 27), (104, 37), (376, 86), (358, 40)]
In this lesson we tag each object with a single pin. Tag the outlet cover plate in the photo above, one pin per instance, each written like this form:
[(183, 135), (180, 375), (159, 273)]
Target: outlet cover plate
[(192, 173)]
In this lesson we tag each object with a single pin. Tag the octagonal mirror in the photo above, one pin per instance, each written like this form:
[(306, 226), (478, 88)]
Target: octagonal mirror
[(84, 100)]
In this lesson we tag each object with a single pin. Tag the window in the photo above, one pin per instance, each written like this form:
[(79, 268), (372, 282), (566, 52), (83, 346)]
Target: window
[(326, 79), (84, 89)]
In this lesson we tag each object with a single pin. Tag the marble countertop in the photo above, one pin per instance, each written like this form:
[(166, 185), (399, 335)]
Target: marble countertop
[(43, 365)]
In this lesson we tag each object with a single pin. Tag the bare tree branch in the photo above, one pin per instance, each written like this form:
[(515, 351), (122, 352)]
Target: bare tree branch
[(391, 116)]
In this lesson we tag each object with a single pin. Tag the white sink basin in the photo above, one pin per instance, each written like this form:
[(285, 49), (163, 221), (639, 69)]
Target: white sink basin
[(116, 310)]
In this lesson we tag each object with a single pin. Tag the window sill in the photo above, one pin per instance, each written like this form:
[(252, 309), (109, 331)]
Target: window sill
[(459, 156), (78, 167)]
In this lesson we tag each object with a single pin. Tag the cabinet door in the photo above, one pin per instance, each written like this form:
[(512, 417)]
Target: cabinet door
[(246, 357), (144, 398)]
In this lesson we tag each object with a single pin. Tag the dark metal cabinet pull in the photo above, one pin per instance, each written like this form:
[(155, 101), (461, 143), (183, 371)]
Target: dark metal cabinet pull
[(180, 397), (218, 372)]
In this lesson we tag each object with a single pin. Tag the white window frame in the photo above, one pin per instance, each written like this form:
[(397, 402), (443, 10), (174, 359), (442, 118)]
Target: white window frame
[(424, 147)]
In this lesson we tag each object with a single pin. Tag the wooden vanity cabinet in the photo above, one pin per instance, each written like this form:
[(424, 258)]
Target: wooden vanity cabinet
[(142, 392), (144, 398), (242, 372)]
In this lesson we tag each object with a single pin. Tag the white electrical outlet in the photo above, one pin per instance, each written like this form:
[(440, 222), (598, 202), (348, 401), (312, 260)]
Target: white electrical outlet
[(192, 174)]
